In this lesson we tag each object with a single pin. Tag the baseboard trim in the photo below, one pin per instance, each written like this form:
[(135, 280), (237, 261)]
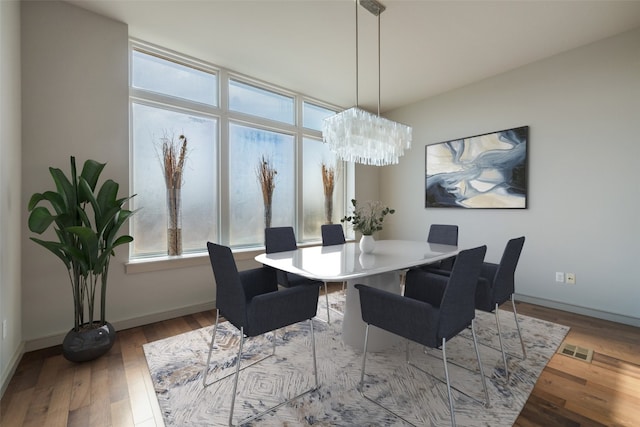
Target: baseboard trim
[(598, 314), (120, 325), (11, 369)]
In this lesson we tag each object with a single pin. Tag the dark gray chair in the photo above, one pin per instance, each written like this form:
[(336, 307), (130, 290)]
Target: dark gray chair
[(433, 310), (332, 235), (283, 239), (496, 286), (443, 234), (250, 301)]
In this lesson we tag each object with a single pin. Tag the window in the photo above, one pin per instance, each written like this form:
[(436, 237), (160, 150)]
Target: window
[(253, 100), (221, 195)]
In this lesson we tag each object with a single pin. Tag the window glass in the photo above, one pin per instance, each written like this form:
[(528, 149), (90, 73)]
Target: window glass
[(248, 147), (221, 196), (259, 102), (317, 206), (198, 190), (170, 78), (313, 116)]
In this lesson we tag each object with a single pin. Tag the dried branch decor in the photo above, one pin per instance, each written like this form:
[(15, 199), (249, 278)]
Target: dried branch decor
[(267, 177), (328, 184), (173, 157)]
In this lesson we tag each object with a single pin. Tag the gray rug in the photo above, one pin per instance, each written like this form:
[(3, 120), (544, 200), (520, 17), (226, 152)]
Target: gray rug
[(176, 366)]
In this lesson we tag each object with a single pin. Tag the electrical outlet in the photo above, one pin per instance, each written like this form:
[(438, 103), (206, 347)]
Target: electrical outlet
[(559, 277), (571, 278)]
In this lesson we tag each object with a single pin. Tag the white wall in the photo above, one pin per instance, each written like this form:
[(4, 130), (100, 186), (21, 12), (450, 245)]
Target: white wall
[(10, 203), (583, 109), (580, 107), (75, 102)]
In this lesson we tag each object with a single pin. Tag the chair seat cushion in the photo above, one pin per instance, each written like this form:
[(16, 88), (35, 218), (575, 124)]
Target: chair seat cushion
[(275, 310)]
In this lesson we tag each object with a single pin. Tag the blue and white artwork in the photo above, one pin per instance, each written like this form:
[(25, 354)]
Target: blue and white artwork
[(483, 171)]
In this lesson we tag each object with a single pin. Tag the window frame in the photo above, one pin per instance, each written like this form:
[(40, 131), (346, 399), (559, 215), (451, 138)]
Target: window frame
[(225, 117)]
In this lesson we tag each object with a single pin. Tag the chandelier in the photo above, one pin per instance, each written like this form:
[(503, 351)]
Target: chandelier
[(356, 135)]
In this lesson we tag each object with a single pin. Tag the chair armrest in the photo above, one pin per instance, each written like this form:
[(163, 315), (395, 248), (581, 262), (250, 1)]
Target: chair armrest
[(275, 310), (425, 286), (407, 317), (488, 271), (257, 281)]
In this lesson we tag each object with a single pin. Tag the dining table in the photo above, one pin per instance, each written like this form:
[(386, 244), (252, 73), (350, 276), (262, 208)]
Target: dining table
[(381, 268)]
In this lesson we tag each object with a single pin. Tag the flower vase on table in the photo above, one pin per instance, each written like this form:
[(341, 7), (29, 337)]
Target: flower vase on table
[(367, 244)]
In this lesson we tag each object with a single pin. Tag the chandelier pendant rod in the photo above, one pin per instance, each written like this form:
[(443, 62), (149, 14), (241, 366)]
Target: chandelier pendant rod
[(379, 85), (357, 53)]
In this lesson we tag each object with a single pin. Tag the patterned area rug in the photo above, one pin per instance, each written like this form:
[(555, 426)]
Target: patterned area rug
[(176, 365)]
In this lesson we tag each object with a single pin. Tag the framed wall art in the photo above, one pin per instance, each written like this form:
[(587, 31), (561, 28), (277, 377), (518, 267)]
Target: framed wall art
[(478, 172)]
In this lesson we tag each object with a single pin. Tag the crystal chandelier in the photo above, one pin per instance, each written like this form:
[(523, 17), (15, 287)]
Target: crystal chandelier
[(356, 135)]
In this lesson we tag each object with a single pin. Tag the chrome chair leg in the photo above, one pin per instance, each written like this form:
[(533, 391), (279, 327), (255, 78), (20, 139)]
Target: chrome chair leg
[(213, 337), (235, 381), (484, 381), (515, 315), (364, 358), (326, 296), (446, 375), (313, 349), (504, 354), (360, 386), (287, 401)]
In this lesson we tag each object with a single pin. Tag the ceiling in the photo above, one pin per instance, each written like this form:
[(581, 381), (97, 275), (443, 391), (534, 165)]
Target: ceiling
[(427, 47)]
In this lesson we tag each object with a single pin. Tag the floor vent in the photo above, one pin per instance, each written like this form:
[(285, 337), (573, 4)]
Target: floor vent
[(576, 352)]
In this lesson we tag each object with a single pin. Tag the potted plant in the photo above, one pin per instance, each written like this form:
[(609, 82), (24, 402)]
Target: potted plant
[(367, 219), (86, 219)]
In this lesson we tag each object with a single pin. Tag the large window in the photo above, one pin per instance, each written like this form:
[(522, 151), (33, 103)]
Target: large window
[(228, 140)]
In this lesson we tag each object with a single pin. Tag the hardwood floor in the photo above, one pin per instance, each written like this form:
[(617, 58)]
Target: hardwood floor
[(116, 390)]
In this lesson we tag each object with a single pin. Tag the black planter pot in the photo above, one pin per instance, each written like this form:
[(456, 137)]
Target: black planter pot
[(88, 344)]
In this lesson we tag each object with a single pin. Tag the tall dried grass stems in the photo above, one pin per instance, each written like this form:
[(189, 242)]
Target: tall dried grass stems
[(328, 179), (267, 178), (173, 157), (328, 184)]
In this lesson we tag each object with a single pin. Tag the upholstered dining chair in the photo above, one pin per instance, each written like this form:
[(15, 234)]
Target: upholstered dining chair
[(332, 235), (444, 234), (250, 301), (496, 286), (433, 310), (283, 239)]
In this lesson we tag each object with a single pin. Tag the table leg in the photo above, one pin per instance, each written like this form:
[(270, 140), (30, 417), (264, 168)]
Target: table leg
[(353, 327)]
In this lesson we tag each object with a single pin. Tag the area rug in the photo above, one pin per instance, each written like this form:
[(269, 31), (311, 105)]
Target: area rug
[(176, 366)]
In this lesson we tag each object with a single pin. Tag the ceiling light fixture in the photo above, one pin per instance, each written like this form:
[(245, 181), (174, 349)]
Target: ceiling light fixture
[(356, 135)]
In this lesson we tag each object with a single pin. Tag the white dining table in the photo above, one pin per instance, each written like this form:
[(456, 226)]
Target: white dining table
[(346, 263)]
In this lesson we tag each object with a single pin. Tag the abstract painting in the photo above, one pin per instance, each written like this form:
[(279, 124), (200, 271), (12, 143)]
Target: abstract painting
[(482, 171)]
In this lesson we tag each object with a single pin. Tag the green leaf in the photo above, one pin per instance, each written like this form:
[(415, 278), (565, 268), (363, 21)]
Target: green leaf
[(91, 173), (40, 219), (65, 189), (57, 249)]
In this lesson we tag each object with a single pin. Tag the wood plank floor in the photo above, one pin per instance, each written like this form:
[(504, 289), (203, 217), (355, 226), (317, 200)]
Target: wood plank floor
[(116, 390)]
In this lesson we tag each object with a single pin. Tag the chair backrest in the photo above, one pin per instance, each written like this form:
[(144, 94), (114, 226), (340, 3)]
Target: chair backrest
[(332, 234), (279, 239), (230, 295), (443, 233), (457, 308), (504, 280)]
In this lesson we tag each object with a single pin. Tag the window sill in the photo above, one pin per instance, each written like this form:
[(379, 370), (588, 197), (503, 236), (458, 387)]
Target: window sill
[(147, 265)]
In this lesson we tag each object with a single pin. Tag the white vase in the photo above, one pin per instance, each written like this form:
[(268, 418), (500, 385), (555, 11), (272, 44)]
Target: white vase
[(367, 244)]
